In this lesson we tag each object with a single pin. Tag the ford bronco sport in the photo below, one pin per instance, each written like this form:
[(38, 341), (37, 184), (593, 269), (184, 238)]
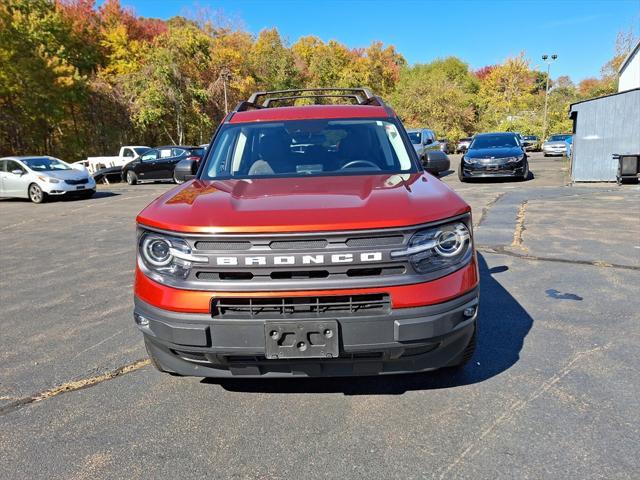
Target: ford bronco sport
[(310, 242)]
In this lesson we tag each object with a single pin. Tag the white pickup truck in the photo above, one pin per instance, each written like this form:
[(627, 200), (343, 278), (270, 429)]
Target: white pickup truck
[(127, 154)]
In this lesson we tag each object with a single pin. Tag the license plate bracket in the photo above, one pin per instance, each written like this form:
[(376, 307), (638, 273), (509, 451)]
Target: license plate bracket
[(301, 339)]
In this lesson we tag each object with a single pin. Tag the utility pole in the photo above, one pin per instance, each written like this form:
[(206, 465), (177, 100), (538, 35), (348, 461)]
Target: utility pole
[(225, 75), (545, 58)]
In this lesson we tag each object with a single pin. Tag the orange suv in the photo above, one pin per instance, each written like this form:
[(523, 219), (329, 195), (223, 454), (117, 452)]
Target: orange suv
[(310, 242)]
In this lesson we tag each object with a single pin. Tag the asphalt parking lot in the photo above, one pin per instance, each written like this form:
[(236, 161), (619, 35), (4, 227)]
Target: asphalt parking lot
[(553, 390)]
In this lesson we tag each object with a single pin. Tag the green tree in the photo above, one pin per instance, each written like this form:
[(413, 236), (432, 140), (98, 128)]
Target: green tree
[(438, 95)]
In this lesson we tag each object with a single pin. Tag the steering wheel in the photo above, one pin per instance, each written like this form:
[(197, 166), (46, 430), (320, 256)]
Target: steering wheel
[(366, 163)]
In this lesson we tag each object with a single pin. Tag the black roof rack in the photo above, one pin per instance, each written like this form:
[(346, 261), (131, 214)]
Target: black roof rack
[(361, 96)]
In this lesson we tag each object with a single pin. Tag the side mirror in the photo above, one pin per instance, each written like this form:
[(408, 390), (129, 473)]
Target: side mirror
[(428, 141), (18, 172)]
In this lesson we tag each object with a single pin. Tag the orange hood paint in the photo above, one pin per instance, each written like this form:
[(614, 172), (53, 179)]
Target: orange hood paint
[(350, 202)]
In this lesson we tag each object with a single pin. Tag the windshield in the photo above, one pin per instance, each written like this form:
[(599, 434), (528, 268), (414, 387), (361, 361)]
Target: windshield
[(45, 164), (140, 150), (414, 137), (307, 148), (558, 138), (494, 141)]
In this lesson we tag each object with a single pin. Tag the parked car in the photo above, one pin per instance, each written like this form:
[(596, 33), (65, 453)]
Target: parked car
[(158, 163), (555, 145), (494, 155), (39, 178), (127, 154), (568, 146), (463, 144), (433, 159), (531, 143), (187, 167), (342, 257), (445, 145)]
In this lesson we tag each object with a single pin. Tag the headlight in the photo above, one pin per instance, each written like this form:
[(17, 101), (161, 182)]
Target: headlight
[(470, 161), (166, 256), (438, 247), (48, 179)]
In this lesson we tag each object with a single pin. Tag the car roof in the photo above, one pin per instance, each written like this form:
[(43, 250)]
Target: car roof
[(496, 133), (25, 157), (177, 146), (309, 112)]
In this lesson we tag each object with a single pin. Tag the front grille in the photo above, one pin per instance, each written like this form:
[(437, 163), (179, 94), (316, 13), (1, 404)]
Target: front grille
[(82, 181), (301, 307), (301, 244), (375, 241), (222, 245)]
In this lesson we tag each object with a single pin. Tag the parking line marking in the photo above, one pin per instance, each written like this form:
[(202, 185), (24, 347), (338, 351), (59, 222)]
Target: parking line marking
[(74, 386), (477, 446)]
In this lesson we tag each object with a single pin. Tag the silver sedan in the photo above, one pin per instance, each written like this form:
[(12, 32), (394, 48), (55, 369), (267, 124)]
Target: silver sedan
[(38, 178)]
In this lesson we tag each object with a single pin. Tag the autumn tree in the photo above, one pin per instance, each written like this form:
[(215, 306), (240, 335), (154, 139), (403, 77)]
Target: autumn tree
[(438, 95)]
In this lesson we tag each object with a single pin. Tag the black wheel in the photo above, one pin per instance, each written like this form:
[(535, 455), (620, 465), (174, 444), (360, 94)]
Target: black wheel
[(132, 178), (36, 195), (177, 180), (467, 353), (525, 173), (461, 175)]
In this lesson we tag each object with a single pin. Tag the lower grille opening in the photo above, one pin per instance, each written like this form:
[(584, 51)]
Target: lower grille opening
[(191, 356), (301, 307), (299, 274), (373, 272)]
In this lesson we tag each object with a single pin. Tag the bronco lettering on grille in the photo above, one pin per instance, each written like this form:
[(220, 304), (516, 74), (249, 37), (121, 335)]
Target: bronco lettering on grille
[(317, 259)]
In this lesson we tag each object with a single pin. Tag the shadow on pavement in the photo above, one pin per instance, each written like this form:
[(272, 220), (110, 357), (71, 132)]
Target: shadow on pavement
[(503, 326)]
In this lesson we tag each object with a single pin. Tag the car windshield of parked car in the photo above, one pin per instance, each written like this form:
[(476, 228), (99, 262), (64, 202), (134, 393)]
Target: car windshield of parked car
[(308, 148), (558, 138), (494, 141), (414, 137), (45, 164), (140, 150)]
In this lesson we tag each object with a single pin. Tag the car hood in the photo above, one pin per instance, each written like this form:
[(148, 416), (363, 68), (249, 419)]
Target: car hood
[(65, 174), (303, 204), (417, 147), (494, 152)]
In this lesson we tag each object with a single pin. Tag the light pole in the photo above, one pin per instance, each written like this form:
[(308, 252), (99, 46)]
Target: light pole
[(545, 58), (225, 74)]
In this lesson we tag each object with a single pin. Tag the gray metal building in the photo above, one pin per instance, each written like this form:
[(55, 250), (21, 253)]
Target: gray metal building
[(601, 127)]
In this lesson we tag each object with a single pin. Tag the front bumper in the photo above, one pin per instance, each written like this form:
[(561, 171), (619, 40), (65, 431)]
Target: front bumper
[(63, 188), (402, 341), (554, 150), (498, 170)]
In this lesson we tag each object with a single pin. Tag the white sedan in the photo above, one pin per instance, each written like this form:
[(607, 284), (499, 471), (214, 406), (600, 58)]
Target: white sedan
[(38, 178)]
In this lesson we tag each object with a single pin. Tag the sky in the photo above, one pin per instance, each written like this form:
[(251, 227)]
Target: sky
[(481, 32)]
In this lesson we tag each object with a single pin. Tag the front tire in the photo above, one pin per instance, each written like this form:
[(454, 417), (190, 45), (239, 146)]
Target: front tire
[(132, 178), (461, 175), (87, 194), (525, 173), (177, 180), (36, 195)]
